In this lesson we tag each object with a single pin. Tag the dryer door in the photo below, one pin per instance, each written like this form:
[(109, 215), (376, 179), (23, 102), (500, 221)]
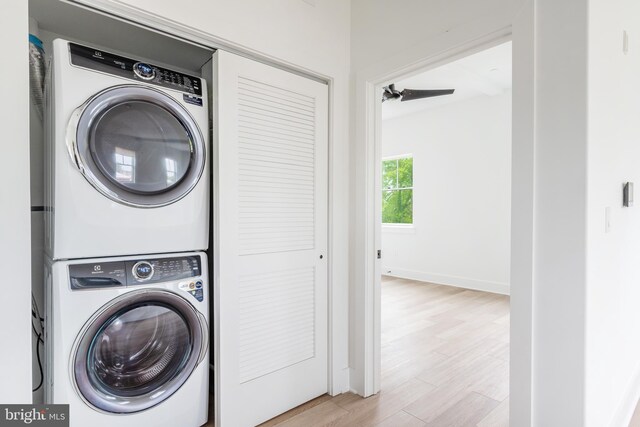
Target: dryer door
[(137, 146), (138, 350)]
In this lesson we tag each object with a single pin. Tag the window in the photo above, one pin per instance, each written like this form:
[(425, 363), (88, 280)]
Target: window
[(397, 190), (125, 164), (171, 167)]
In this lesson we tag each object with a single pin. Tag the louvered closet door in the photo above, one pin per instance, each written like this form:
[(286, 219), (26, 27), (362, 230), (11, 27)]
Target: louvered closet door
[(271, 216)]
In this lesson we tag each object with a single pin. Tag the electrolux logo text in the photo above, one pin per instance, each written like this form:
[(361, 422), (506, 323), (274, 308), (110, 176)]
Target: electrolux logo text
[(34, 415)]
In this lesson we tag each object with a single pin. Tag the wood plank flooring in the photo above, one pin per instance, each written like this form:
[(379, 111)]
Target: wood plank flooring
[(445, 362), (635, 420)]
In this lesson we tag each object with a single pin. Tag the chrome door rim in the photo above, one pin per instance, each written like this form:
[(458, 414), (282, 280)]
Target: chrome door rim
[(79, 149), (110, 403)]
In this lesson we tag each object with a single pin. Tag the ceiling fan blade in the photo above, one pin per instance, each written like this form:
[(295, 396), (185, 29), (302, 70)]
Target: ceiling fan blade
[(411, 94)]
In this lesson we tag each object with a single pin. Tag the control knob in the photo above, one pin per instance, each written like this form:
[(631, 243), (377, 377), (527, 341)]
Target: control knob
[(142, 270), (144, 71)]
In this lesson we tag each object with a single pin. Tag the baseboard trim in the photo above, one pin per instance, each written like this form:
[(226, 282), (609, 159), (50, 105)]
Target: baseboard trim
[(627, 406), (440, 279)]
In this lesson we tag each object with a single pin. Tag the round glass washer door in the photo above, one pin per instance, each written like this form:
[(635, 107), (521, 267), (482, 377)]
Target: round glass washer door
[(137, 351), (137, 146)]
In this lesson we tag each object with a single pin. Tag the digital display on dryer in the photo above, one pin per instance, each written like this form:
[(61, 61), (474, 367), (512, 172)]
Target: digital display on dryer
[(99, 60)]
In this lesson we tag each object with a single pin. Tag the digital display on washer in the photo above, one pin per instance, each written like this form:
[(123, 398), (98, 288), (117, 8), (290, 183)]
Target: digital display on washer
[(97, 275), (162, 269), (99, 60), (133, 272)]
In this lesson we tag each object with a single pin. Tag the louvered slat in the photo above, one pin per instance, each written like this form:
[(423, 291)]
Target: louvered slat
[(276, 167), (276, 321)]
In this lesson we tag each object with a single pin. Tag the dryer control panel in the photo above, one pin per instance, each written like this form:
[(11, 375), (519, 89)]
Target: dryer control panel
[(133, 272), (99, 60)]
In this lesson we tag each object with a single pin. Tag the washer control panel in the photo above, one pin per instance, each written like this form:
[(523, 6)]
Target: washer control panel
[(99, 60), (142, 270), (134, 272), (162, 269)]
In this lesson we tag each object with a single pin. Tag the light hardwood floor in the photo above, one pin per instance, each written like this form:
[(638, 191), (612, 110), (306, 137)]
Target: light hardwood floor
[(445, 362), (635, 420)]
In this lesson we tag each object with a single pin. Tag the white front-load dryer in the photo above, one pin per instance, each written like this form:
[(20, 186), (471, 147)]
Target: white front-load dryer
[(127, 160), (127, 340)]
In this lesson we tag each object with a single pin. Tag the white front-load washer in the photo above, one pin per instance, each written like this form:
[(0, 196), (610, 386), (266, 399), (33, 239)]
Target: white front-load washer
[(127, 162), (127, 340)]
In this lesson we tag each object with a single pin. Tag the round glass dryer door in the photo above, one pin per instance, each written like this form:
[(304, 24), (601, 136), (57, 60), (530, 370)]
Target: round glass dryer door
[(138, 351), (138, 146)]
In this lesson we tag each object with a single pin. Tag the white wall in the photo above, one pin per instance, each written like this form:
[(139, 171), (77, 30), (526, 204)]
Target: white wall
[(311, 36), (15, 227), (613, 293), (461, 232)]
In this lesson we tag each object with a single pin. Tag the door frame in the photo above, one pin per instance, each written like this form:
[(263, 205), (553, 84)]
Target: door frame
[(366, 220), (376, 87), (336, 347)]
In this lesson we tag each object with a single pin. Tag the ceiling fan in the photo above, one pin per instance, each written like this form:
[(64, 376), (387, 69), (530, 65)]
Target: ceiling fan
[(390, 92)]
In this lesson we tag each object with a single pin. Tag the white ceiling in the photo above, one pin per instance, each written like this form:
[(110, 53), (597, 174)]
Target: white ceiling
[(484, 73)]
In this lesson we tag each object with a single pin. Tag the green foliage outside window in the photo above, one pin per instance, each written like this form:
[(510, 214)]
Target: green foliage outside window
[(397, 191)]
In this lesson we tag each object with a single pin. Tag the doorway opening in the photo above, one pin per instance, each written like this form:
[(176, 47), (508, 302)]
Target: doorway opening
[(445, 218)]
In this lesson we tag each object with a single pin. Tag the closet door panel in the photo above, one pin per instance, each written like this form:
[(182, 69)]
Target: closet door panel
[(271, 238)]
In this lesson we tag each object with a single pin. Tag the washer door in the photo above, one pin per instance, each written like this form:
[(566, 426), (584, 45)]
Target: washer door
[(137, 146), (138, 350)]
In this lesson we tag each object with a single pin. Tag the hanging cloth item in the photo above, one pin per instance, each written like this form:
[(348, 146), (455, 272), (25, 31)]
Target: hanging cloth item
[(37, 72)]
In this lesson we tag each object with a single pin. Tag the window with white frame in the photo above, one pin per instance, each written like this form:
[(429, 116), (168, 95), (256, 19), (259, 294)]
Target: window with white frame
[(125, 165), (397, 190)]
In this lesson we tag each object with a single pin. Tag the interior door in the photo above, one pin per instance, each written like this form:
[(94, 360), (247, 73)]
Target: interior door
[(270, 209)]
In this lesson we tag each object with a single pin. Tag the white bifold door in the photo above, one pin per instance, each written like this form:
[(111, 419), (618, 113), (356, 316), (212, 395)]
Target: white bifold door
[(270, 211)]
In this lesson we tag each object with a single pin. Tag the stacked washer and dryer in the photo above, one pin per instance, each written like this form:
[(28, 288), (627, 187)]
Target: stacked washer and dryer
[(126, 226)]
